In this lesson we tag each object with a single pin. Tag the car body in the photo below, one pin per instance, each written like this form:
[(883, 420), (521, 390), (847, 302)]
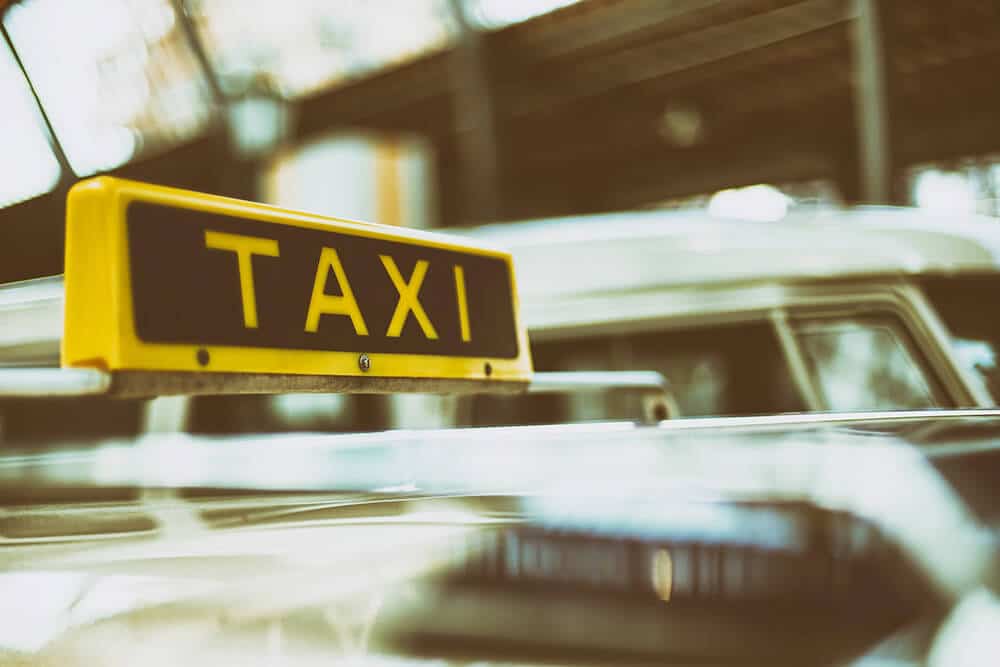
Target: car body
[(858, 309), (733, 541), (787, 539), (853, 309)]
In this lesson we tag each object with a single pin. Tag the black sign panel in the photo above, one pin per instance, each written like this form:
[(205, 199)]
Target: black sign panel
[(209, 279)]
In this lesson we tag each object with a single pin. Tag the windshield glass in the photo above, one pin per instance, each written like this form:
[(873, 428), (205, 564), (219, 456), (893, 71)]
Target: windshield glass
[(965, 303)]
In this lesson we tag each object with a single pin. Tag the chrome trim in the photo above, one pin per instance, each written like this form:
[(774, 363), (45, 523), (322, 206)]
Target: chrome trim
[(827, 418), (569, 381), (32, 315), (658, 401), (47, 382)]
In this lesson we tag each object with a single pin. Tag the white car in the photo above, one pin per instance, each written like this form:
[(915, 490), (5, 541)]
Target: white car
[(858, 309), (847, 310)]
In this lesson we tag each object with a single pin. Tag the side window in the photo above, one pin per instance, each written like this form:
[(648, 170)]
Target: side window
[(863, 363), (737, 369)]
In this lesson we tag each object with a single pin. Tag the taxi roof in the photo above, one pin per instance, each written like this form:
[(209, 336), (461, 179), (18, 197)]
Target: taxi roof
[(642, 249), (573, 270), (837, 462)]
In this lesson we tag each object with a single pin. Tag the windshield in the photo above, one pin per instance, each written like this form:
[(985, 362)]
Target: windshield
[(967, 306)]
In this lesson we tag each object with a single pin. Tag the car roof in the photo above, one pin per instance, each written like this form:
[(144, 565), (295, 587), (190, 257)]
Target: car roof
[(628, 251), (572, 271)]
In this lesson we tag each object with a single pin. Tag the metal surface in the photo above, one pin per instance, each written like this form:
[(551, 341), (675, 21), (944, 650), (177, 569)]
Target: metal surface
[(32, 315), (47, 382), (869, 475), (829, 419), (597, 380), (169, 383), (658, 400)]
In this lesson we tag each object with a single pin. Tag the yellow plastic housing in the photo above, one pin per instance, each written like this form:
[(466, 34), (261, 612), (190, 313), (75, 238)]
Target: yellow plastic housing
[(99, 330)]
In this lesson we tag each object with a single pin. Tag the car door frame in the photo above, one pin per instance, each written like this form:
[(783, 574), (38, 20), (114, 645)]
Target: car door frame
[(761, 301)]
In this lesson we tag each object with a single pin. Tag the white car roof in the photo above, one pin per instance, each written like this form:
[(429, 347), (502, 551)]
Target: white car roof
[(640, 250)]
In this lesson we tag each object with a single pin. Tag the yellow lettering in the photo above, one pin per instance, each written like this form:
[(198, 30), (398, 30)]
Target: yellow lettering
[(245, 248), (322, 303), (408, 298), (463, 306)]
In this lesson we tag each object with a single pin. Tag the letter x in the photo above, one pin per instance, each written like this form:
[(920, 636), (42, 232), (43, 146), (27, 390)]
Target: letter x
[(409, 293)]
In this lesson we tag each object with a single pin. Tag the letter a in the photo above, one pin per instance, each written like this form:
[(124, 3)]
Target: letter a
[(322, 303)]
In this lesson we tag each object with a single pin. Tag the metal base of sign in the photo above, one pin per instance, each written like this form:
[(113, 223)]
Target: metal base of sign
[(137, 384)]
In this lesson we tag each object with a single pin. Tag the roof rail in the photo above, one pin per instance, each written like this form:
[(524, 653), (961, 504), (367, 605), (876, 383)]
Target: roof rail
[(32, 315), (658, 399), (41, 382)]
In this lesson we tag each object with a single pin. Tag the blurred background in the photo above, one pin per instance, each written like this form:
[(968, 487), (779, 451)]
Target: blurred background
[(456, 113), (431, 113)]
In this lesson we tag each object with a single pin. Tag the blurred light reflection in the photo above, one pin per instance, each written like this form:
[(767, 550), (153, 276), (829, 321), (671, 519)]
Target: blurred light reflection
[(27, 165), (493, 14), (763, 203), (304, 45), (945, 192), (115, 76)]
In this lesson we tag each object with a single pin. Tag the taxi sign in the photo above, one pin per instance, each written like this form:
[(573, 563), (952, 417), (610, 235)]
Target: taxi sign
[(180, 292)]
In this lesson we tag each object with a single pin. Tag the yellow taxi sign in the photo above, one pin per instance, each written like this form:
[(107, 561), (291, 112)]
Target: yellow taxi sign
[(181, 292)]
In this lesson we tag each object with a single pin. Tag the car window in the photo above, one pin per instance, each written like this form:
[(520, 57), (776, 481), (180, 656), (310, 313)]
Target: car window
[(737, 369), (863, 363), (966, 305)]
